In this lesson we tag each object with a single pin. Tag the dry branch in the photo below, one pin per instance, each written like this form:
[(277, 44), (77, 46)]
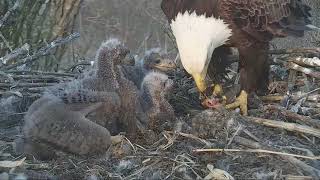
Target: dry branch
[(25, 85), (295, 117), (315, 51), (313, 62), (41, 73), (31, 77), (293, 127), (294, 97), (44, 51), (298, 163), (22, 51), (257, 151), (9, 12), (312, 105), (304, 70)]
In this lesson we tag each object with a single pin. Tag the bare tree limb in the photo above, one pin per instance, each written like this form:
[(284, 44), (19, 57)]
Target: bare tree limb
[(304, 70), (22, 51), (25, 85), (293, 127), (295, 117), (44, 51), (41, 73), (7, 15), (313, 62)]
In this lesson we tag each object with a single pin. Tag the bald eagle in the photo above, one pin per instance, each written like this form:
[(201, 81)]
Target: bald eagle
[(202, 27)]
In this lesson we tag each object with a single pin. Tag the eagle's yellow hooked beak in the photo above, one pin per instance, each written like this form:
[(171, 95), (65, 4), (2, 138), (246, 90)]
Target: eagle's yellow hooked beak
[(200, 82)]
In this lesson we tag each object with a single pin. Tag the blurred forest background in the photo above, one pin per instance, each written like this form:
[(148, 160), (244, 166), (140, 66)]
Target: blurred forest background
[(139, 23)]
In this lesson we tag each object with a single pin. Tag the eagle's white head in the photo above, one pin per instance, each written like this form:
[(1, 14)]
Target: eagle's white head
[(196, 38)]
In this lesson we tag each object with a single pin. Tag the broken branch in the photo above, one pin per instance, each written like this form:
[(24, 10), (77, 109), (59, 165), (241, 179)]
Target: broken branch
[(22, 51), (295, 117), (44, 51), (8, 13), (307, 71), (257, 151), (293, 127), (313, 62)]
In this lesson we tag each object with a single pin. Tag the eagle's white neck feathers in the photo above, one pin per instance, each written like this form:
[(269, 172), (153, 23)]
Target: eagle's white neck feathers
[(197, 37)]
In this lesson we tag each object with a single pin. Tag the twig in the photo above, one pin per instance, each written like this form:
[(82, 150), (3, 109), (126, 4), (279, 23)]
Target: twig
[(273, 98), (22, 51), (296, 162), (313, 62), (44, 51), (25, 85), (207, 143), (296, 51), (36, 78), (40, 72), (287, 126), (8, 13), (312, 105), (73, 67), (307, 71), (257, 151), (295, 117), (6, 42), (295, 177), (141, 170), (235, 134), (307, 94)]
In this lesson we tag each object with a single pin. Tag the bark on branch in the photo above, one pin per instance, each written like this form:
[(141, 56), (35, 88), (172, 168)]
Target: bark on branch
[(44, 51)]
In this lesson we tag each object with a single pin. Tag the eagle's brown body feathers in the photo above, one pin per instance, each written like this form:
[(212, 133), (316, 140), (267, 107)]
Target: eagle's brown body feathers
[(254, 23)]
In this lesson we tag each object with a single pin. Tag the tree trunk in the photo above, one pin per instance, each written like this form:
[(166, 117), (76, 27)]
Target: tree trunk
[(37, 23)]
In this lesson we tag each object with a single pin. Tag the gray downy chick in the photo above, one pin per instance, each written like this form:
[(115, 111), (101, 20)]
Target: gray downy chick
[(98, 87), (50, 124), (129, 117), (154, 88), (110, 54), (153, 60), (109, 77)]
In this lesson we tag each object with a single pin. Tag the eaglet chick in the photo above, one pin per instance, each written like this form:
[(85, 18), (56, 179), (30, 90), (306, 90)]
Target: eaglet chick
[(80, 93), (50, 124), (132, 112), (155, 86), (152, 61)]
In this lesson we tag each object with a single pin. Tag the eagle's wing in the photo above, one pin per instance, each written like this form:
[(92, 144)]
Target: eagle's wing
[(277, 18), (171, 8)]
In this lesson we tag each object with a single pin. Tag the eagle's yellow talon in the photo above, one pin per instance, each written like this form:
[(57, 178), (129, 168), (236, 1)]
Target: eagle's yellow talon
[(242, 102), (224, 100), (217, 90)]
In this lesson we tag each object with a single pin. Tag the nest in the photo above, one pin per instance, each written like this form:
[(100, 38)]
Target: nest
[(279, 140)]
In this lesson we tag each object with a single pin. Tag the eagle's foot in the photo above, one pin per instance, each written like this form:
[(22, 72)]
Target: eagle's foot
[(241, 102), (217, 90)]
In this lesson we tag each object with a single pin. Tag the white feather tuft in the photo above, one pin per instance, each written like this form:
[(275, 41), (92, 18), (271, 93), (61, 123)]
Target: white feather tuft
[(111, 43), (197, 37)]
